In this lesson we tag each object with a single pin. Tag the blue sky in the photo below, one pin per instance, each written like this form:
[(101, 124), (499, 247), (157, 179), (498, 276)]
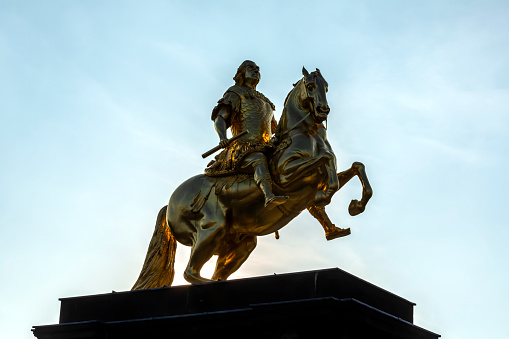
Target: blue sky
[(105, 110)]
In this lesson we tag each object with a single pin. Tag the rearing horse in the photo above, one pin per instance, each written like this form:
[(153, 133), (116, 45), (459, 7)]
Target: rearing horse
[(224, 215)]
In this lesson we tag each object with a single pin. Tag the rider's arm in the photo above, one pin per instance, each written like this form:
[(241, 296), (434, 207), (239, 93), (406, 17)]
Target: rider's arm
[(274, 130), (222, 115), (220, 125)]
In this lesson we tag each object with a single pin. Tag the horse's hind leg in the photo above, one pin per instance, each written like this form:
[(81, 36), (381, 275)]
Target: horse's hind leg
[(233, 257), (210, 231), (207, 243)]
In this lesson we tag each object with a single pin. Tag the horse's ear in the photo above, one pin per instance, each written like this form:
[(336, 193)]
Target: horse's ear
[(318, 71), (304, 71)]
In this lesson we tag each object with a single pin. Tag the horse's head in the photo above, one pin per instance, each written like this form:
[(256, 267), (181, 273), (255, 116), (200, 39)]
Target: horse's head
[(313, 94)]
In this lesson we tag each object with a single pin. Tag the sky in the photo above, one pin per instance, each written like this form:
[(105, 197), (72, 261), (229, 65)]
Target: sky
[(105, 110)]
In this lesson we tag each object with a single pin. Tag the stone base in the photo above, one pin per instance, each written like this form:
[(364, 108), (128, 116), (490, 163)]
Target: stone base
[(326, 303)]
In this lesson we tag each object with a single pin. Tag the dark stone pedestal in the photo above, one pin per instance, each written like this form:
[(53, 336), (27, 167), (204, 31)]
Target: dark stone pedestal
[(327, 303)]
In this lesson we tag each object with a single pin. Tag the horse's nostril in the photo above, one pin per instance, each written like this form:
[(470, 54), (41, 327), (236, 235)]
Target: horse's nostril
[(324, 109)]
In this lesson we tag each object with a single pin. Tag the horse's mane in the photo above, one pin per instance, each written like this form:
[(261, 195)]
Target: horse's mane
[(293, 89)]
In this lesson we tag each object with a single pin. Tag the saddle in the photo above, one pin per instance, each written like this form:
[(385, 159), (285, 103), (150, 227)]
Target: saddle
[(217, 183)]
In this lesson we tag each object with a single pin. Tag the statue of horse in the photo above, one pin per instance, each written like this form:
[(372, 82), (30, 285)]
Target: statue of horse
[(223, 216)]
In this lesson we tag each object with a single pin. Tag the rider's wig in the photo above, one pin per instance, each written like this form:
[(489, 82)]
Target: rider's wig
[(240, 76)]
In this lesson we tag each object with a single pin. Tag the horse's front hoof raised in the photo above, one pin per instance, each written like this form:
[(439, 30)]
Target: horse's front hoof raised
[(337, 232), (356, 207)]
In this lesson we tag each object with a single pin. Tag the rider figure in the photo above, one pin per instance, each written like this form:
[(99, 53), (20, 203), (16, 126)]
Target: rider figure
[(242, 108)]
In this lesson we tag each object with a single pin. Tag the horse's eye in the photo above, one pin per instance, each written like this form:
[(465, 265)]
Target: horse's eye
[(310, 87)]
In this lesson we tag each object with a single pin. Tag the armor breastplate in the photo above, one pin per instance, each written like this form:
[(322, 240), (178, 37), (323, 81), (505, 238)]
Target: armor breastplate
[(255, 116)]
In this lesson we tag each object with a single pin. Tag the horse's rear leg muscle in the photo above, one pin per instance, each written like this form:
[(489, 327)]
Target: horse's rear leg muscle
[(230, 261), (207, 243)]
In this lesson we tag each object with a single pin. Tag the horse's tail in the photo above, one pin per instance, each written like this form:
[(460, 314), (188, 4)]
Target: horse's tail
[(158, 269)]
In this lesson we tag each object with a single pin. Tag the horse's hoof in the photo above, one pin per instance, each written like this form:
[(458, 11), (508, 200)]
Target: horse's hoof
[(337, 233), (270, 203), (195, 279), (356, 207)]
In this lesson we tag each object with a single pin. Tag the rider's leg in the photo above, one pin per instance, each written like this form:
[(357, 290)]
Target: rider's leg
[(258, 163), (233, 257), (331, 231)]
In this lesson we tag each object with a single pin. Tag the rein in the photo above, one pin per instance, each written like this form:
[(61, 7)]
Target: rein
[(301, 120), (300, 106)]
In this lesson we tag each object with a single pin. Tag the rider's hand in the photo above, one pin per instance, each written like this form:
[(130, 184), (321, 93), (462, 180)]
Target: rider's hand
[(273, 142), (224, 143)]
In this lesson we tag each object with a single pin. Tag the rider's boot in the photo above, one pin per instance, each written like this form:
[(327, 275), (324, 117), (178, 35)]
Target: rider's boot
[(264, 182), (271, 200)]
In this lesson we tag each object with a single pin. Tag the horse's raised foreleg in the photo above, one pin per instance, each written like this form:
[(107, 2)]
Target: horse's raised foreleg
[(357, 169), (233, 257), (331, 231)]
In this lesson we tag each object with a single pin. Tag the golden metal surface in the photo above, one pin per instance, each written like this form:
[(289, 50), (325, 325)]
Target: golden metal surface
[(254, 186)]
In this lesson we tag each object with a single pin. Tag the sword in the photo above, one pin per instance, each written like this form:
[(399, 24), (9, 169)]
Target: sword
[(217, 148)]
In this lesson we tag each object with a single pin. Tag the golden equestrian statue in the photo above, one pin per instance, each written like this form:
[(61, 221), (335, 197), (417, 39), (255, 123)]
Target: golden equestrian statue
[(266, 175)]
